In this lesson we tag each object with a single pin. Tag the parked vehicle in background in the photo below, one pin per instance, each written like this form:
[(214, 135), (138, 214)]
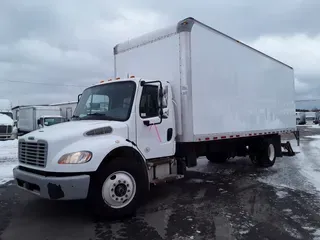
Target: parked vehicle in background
[(310, 117), (66, 108), (8, 129), (317, 118), (15, 113), (300, 118), (6, 107), (201, 93), (34, 117)]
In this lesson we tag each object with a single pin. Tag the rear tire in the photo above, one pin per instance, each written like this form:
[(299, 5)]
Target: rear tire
[(217, 157), (117, 188), (266, 157)]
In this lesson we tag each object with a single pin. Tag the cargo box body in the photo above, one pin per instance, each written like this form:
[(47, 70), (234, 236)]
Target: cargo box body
[(66, 109), (28, 116), (222, 88)]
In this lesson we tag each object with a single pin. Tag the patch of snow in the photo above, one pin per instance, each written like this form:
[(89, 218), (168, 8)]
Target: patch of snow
[(311, 166), (313, 126), (242, 232), (281, 174), (316, 234), (293, 232), (287, 210), (281, 194), (314, 136), (8, 159), (308, 228)]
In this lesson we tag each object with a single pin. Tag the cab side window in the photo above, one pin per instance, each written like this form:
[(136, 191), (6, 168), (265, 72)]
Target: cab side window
[(149, 104)]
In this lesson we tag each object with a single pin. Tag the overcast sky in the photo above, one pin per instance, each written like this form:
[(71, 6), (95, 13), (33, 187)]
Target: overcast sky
[(51, 50)]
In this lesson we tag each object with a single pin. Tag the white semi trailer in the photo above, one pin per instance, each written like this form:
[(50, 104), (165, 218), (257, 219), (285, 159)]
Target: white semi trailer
[(199, 93)]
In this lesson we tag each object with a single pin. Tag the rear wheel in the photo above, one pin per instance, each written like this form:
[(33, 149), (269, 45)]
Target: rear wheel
[(266, 157), (217, 157), (117, 189)]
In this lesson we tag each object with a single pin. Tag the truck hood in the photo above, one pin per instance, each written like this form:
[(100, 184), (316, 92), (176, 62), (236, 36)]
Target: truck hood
[(73, 131), (5, 120)]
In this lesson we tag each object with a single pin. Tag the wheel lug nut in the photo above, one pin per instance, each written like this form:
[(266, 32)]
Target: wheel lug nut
[(112, 195), (128, 190), (126, 195), (117, 199), (111, 189), (121, 199)]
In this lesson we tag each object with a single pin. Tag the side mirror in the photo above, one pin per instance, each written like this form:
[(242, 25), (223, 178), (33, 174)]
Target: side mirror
[(160, 101), (79, 96), (15, 123)]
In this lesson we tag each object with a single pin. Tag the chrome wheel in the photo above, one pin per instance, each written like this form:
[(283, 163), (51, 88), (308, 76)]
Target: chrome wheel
[(119, 189)]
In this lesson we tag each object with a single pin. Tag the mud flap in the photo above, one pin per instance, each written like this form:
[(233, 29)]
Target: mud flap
[(287, 146)]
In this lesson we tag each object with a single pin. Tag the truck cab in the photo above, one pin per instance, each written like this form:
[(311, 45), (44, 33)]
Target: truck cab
[(102, 153), (45, 121)]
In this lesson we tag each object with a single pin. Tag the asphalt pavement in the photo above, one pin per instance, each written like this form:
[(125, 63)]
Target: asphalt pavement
[(214, 201)]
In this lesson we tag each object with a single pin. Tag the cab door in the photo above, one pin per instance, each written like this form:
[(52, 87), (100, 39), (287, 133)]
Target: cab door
[(155, 132)]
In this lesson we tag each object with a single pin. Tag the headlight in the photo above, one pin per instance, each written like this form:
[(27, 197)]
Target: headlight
[(76, 158)]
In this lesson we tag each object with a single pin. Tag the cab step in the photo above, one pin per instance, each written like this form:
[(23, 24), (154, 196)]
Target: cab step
[(169, 178), (163, 170)]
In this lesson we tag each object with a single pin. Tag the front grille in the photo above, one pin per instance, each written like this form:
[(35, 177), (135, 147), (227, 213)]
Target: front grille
[(33, 153), (5, 129)]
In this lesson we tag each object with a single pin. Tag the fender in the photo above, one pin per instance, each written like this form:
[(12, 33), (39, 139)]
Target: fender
[(100, 147), (131, 153)]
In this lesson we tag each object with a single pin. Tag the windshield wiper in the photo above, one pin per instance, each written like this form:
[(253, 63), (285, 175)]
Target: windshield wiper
[(102, 115), (96, 114)]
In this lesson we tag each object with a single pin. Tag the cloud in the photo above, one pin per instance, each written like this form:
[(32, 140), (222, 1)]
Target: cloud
[(301, 87), (298, 50)]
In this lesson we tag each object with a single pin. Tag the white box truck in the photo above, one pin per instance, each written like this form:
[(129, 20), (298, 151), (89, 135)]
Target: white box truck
[(200, 93), (66, 109), (34, 117)]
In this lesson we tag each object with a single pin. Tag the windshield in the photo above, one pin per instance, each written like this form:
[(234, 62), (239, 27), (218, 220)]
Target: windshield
[(9, 114), (112, 101), (52, 120)]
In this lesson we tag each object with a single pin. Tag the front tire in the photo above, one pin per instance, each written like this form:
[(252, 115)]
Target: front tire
[(117, 188)]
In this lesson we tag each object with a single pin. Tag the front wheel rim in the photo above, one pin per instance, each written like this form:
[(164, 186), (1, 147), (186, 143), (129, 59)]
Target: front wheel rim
[(118, 189)]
